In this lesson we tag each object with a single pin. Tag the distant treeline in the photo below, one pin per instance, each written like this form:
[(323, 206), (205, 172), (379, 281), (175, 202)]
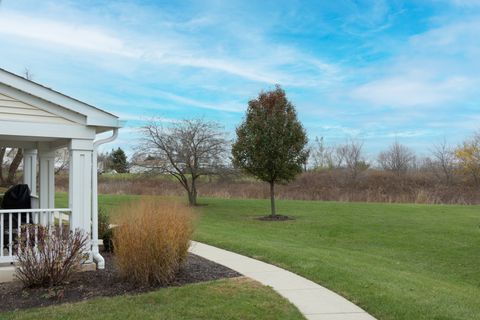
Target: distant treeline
[(450, 175), (371, 185)]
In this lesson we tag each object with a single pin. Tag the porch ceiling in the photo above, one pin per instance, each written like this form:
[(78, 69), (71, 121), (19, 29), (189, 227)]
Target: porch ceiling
[(30, 142)]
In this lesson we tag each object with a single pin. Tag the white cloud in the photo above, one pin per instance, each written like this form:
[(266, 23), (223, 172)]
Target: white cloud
[(64, 34), (340, 131), (459, 37)]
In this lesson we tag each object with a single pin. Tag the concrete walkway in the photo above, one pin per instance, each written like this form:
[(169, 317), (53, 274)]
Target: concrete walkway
[(314, 301)]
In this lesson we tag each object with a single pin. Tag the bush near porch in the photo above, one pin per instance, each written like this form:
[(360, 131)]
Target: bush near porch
[(49, 256), (397, 261)]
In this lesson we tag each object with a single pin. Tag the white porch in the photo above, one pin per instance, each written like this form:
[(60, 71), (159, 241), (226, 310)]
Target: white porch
[(40, 121)]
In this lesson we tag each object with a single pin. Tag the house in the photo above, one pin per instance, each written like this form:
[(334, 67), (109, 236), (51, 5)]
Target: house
[(41, 121)]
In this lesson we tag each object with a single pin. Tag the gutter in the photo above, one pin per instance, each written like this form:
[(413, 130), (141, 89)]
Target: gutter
[(97, 257)]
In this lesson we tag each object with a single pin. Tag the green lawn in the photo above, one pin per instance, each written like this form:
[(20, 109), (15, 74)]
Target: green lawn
[(397, 261), (226, 299)]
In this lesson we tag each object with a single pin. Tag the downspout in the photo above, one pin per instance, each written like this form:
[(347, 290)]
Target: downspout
[(97, 257)]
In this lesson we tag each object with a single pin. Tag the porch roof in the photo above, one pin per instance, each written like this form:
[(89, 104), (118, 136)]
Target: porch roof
[(32, 112)]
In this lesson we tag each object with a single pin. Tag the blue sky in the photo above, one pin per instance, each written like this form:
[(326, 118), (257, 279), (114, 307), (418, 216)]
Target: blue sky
[(370, 70)]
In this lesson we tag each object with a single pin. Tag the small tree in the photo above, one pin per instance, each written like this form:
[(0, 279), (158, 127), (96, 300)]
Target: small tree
[(186, 150), (271, 143), (118, 161)]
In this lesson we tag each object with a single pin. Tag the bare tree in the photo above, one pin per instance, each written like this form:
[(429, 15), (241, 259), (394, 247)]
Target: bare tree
[(28, 74), (12, 169), (444, 160), (186, 150), (61, 160), (336, 157), (351, 155), (397, 159), (348, 156)]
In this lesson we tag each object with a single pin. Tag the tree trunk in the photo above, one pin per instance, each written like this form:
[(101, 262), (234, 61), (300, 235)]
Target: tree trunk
[(14, 166), (272, 199), (192, 194), (2, 155)]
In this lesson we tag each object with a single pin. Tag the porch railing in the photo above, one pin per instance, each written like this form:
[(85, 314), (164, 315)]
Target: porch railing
[(10, 230)]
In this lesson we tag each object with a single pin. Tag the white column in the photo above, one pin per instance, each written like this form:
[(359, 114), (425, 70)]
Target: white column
[(47, 181), (80, 185), (30, 169)]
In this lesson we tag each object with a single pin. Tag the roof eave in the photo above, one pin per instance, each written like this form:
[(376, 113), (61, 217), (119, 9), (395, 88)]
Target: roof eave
[(95, 116)]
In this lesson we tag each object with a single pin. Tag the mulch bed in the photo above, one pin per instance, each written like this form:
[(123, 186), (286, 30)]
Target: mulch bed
[(103, 283), (277, 217)]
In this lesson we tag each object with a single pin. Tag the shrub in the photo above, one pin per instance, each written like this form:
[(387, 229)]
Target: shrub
[(104, 230), (152, 240), (48, 256)]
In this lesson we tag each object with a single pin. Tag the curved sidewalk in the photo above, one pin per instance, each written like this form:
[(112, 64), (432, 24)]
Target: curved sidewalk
[(314, 301)]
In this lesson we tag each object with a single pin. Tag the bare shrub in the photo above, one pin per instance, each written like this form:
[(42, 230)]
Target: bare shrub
[(152, 240), (48, 256)]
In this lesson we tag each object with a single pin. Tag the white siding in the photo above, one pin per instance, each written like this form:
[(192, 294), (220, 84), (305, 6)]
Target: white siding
[(15, 110)]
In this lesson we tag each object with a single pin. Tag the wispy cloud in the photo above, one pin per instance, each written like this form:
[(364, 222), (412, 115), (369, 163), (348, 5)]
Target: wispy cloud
[(143, 118), (435, 68), (167, 50), (412, 91)]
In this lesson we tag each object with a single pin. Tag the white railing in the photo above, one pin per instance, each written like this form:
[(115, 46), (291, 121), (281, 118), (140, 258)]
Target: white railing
[(10, 230)]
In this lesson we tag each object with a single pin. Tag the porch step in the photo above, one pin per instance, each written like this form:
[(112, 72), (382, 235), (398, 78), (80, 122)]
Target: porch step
[(7, 273)]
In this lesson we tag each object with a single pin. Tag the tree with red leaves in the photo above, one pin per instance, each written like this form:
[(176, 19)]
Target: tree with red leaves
[(271, 143)]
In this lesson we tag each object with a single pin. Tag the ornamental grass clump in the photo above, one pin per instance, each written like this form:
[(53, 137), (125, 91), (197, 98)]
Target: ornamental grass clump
[(49, 256), (151, 240)]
